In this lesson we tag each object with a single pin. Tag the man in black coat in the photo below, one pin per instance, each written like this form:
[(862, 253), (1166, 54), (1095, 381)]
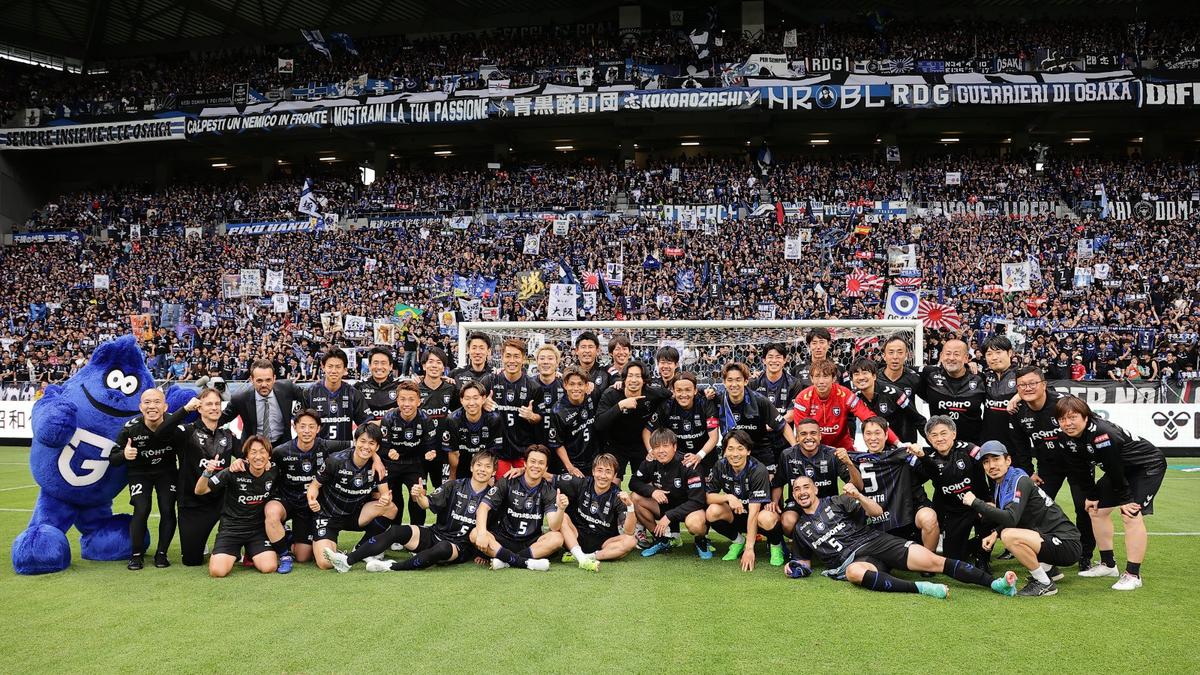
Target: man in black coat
[(280, 399)]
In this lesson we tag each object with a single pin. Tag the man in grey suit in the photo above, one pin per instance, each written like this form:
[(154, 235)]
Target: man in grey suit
[(267, 407)]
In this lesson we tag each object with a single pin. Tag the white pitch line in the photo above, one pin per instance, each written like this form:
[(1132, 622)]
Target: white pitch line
[(19, 487)]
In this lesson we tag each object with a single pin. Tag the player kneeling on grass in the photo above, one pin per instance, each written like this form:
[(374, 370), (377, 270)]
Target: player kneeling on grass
[(599, 519), (347, 495), (835, 529), (521, 503), (242, 523), (738, 489), (1030, 524), (455, 504), (666, 492)]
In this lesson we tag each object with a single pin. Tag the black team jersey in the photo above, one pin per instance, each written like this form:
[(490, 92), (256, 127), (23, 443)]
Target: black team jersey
[(780, 393), (378, 397), (953, 474), (691, 426), (756, 416), (892, 404), (1036, 435), (245, 498), (823, 468), (622, 430), (997, 423), (196, 446), (411, 439), (155, 454), (600, 379), (464, 375), (752, 484), (345, 486), (440, 402), (510, 397), (959, 398), (339, 410), (467, 438), (887, 479), (1116, 451), (570, 427), (599, 515), (835, 530), (297, 468), (455, 504), (684, 486), (803, 374), (520, 508), (1030, 509), (908, 382)]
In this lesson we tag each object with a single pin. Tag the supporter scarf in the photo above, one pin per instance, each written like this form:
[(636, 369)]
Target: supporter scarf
[(729, 421), (1007, 486)]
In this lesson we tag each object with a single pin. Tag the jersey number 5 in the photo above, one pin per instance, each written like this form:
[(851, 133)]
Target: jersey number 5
[(870, 482)]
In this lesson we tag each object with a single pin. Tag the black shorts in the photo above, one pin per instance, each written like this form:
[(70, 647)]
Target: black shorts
[(1058, 551), (329, 527), (591, 542), (302, 523), (907, 533), (231, 542), (886, 552), (141, 486), (1144, 483), (513, 544)]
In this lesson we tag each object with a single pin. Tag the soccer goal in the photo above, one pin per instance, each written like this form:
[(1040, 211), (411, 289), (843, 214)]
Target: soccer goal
[(704, 346)]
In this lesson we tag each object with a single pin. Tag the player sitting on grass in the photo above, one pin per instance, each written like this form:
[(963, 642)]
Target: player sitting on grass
[(835, 529), (521, 502), (738, 488), (346, 495), (599, 519)]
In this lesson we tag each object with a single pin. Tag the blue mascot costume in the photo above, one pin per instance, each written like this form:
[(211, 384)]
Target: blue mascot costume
[(74, 429)]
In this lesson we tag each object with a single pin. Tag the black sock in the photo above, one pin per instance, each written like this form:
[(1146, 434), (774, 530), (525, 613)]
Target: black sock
[(513, 559), (725, 529), (1133, 568), (280, 545), (439, 552), (966, 573), (1108, 558), (702, 542), (370, 546), (882, 581), (774, 535)]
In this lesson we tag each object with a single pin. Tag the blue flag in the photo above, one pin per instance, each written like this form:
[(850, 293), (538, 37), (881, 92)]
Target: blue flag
[(345, 42), (317, 42)]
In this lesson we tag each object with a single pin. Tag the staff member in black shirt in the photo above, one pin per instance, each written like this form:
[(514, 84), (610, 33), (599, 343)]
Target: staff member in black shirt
[(1133, 474), (378, 390), (151, 463), (242, 521), (201, 444), (666, 493)]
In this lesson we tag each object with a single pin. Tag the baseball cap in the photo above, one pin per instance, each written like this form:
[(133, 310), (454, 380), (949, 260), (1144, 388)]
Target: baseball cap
[(992, 448)]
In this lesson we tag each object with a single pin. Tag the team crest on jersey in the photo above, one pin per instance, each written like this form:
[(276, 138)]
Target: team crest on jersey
[(820, 526), (962, 466), (392, 394), (358, 481), (529, 504), (971, 385), (269, 484), (883, 408), (222, 441), (687, 426), (509, 396), (837, 412), (475, 440), (306, 466), (594, 508), (808, 471), (332, 407), (737, 490), (408, 434), (471, 507), (678, 482)]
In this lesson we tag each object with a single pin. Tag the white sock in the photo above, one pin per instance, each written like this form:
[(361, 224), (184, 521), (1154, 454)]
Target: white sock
[(577, 551), (1040, 575), (741, 539), (1045, 567), (537, 564)]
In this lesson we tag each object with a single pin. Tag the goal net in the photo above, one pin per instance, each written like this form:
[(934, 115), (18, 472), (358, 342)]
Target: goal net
[(704, 346)]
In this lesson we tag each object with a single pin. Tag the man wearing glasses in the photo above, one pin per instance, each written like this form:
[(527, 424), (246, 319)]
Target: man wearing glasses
[(1036, 436)]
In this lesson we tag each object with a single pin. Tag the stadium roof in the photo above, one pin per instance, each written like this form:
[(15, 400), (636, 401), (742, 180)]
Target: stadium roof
[(99, 29)]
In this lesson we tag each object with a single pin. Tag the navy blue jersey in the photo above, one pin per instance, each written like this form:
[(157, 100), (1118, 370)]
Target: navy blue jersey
[(834, 531), (345, 486), (379, 397), (339, 410), (520, 508), (510, 397), (598, 515), (756, 416), (297, 468), (570, 427), (245, 498), (455, 504), (467, 438), (690, 425), (887, 479), (411, 439), (823, 468), (752, 484)]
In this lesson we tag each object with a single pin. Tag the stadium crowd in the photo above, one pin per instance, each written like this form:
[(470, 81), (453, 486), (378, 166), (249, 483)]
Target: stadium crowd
[(424, 63)]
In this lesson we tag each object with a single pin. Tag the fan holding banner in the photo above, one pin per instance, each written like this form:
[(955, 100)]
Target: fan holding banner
[(938, 316), (902, 303)]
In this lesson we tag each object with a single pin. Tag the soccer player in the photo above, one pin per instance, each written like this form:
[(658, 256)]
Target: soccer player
[(619, 350), (953, 468), (834, 529), (886, 400), (200, 445), (409, 441), (345, 495), (479, 349), (1133, 473), (246, 494), (1037, 436), (896, 371), (623, 412), (599, 519), (378, 390), (471, 429), (569, 434), (341, 407), (521, 503), (517, 397), (888, 479), (738, 489), (819, 340), (587, 349), (298, 460), (693, 421), (546, 360), (809, 457), (1029, 523), (743, 410), (666, 367), (778, 386), (439, 397), (446, 542), (834, 407), (951, 389), (152, 468), (667, 492)]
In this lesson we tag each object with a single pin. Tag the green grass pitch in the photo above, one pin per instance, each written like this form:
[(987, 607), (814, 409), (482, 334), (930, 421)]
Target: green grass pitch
[(671, 613)]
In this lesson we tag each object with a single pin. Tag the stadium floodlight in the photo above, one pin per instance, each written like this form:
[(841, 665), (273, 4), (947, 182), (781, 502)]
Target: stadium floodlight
[(689, 143), (1078, 139), (818, 141), (328, 159), (564, 147), (366, 174), (220, 165), (443, 153), (704, 345), (948, 139)]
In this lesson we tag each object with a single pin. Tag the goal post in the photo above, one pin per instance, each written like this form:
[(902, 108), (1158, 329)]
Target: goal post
[(704, 345)]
